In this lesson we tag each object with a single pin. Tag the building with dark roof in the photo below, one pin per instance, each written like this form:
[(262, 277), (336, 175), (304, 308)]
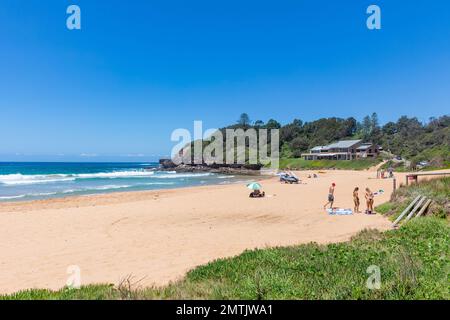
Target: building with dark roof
[(343, 150)]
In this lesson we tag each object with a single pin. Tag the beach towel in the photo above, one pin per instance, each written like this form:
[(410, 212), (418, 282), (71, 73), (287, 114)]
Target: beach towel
[(340, 212)]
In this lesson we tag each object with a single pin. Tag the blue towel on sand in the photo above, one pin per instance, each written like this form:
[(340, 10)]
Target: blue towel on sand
[(340, 212)]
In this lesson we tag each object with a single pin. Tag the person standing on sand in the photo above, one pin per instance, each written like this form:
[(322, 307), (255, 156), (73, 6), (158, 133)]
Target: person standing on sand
[(330, 196), (369, 201), (356, 199), (391, 172)]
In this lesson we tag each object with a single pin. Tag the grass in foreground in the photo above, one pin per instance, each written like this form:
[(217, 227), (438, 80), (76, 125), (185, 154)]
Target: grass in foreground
[(302, 164), (438, 190), (414, 264)]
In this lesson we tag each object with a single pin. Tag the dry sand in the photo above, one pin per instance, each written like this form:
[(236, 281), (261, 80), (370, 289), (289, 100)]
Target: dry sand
[(159, 235)]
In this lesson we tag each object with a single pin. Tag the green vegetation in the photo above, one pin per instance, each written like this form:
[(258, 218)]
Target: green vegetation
[(301, 164), (397, 166), (407, 137), (416, 141), (438, 190), (91, 292), (413, 262), (435, 158), (438, 157)]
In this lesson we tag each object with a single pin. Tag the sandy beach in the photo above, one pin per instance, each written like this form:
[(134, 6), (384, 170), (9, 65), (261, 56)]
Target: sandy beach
[(157, 236)]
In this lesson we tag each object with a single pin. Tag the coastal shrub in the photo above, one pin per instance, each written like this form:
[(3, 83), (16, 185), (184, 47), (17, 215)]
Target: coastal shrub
[(438, 190), (301, 164), (397, 166), (438, 157)]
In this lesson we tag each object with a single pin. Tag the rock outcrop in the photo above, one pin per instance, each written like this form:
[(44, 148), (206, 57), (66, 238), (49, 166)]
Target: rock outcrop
[(244, 169)]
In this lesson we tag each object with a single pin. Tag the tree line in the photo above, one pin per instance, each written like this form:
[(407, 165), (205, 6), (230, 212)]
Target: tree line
[(407, 137)]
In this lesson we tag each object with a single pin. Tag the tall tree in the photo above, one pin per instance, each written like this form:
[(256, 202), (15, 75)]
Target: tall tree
[(273, 124), (374, 121), (350, 126), (244, 120), (366, 127)]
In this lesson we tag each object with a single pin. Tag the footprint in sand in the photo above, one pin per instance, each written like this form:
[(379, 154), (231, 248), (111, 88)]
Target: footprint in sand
[(112, 225)]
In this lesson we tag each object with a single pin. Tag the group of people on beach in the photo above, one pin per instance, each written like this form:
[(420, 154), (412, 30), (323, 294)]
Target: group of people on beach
[(389, 172), (369, 195)]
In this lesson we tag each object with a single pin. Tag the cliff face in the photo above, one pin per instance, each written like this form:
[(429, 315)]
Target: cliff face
[(245, 169)]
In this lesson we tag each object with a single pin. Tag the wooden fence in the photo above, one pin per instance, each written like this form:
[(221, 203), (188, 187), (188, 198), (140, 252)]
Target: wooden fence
[(415, 176)]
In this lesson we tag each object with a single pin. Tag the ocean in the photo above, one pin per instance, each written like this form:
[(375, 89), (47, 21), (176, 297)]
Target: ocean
[(30, 181)]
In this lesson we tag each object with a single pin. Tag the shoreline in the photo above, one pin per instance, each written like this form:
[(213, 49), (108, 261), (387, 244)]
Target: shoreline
[(114, 196), (160, 235), (100, 192)]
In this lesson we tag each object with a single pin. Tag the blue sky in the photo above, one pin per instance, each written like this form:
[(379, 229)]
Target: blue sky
[(139, 69)]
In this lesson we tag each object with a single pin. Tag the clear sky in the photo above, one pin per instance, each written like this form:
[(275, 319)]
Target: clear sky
[(139, 69)]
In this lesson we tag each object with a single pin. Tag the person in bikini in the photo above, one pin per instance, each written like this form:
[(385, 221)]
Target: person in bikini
[(369, 201), (356, 199)]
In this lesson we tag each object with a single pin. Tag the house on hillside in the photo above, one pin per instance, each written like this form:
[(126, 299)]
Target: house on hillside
[(343, 150)]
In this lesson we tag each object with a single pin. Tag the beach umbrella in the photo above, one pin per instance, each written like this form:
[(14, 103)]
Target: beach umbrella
[(254, 186)]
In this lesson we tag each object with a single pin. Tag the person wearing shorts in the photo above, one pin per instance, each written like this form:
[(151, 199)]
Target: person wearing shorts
[(330, 196)]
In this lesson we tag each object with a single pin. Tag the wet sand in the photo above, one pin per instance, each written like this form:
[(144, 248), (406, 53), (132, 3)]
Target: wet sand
[(160, 235)]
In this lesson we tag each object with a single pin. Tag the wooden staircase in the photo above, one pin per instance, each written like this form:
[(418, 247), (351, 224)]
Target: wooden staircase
[(415, 209)]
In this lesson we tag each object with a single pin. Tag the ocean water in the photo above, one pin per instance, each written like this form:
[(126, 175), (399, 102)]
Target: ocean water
[(30, 181)]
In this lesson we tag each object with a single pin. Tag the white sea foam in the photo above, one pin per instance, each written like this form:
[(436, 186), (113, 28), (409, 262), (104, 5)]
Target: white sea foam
[(68, 191), (181, 175), (13, 197), (79, 183), (99, 188), (42, 194), (157, 184), (20, 179), (114, 174), (113, 187)]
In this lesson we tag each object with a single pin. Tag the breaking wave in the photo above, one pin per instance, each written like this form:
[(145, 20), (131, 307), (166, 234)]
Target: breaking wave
[(20, 179)]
